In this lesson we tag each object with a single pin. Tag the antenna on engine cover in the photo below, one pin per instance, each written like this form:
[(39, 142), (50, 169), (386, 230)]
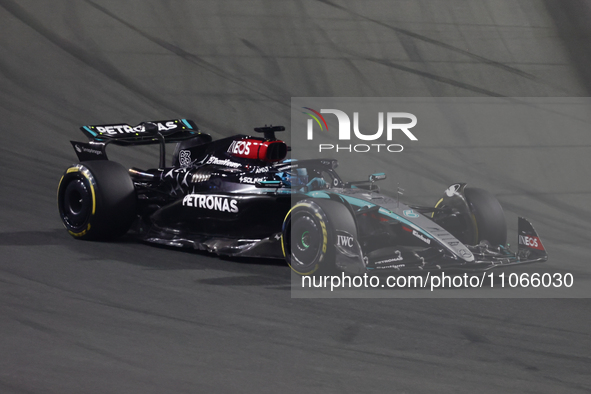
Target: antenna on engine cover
[(269, 131)]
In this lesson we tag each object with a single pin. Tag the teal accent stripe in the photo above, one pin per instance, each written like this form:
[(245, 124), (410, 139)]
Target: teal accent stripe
[(318, 194), (358, 202), (186, 123), (90, 131), (386, 212)]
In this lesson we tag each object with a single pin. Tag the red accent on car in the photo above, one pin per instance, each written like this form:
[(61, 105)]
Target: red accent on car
[(250, 148), (531, 242)]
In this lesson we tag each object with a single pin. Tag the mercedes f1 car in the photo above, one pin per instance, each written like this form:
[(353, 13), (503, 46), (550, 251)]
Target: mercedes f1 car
[(239, 196)]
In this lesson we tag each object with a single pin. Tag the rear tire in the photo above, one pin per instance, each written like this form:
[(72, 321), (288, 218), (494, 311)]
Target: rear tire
[(96, 200), (306, 239), (488, 213)]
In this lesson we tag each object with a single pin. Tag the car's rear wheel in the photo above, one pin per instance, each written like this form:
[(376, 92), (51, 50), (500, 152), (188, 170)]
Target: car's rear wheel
[(96, 200), (305, 239)]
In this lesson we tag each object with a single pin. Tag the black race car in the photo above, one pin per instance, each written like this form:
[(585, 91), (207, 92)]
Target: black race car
[(238, 196)]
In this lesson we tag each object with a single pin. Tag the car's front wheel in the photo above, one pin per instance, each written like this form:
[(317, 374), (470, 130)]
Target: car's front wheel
[(478, 216), (305, 239), (488, 213)]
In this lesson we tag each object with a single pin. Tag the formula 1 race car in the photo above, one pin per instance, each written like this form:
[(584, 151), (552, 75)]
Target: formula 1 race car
[(238, 196)]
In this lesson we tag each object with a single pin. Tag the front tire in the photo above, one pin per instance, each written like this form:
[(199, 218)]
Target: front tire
[(488, 213), (305, 239), (96, 200)]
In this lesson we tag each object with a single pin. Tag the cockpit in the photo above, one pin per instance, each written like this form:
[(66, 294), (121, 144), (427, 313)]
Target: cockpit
[(308, 176)]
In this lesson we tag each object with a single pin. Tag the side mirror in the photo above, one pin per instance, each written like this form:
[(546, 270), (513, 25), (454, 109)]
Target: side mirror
[(380, 176)]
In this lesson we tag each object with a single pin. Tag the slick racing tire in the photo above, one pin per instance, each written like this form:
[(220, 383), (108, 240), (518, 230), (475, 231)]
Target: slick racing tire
[(96, 200), (306, 239), (489, 216)]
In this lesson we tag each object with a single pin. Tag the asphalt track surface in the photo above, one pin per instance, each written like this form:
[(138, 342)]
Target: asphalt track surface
[(123, 317)]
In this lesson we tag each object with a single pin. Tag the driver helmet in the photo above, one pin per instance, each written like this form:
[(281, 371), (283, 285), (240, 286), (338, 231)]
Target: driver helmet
[(295, 178)]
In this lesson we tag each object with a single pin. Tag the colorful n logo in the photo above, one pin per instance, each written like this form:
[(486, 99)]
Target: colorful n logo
[(315, 115)]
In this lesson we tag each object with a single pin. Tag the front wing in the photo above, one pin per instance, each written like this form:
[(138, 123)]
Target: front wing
[(351, 259)]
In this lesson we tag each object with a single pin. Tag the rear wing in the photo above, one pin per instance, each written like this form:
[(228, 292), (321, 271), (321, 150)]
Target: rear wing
[(174, 130), (156, 132)]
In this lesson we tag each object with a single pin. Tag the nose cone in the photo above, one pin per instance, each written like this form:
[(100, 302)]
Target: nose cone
[(465, 254)]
